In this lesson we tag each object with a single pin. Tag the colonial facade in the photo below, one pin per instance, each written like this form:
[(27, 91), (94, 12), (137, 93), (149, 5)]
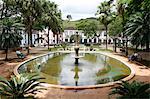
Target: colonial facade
[(24, 35), (40, 38), (99, 38)]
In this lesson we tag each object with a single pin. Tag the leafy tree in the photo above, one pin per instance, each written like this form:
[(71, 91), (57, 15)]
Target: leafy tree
[(121, 11), (64, 45), (22, 87), (73, 37), (133, 90), (10, 38), (7, 9), (105, 14), (30, 11), (52, 18), (138, 32), (138, 29), (116, 27), (89, 28)]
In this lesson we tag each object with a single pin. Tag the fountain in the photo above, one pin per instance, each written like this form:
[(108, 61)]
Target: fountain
[(77, 49), (63, 69)]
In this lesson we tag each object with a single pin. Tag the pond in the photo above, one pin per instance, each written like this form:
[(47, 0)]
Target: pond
[(93, 69)]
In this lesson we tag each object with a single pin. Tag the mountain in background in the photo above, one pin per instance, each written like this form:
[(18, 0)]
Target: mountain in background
[(72, 24)]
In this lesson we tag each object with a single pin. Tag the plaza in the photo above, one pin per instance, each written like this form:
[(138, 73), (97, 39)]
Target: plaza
[(52, 49)]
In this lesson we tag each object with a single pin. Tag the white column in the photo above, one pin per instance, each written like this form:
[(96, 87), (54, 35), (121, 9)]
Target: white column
[(82, 40), (96, 40)]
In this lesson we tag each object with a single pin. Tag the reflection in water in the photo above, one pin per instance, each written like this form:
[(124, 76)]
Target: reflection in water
[(76, 75), (92, 69)]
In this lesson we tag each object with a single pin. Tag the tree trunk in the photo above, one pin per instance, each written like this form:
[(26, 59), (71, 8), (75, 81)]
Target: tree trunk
[(2, 11), (123, 24), (126, 51), (29, 40), (28, 50), (147, 41), (106, 37), (6, 51), (136, 48), (48, 37), (29, 31), (115, 45), (57, 38), (31, 44)]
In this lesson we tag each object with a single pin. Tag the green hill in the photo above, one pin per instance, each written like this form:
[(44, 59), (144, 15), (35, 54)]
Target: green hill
[(72, 24)]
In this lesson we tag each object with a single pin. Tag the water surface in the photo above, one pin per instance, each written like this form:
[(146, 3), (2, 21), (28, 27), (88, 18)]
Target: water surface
[(92, 69)]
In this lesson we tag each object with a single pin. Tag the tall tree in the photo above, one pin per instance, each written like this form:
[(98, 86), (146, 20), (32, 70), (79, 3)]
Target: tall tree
[(52, 18), (139, 20), (138, 29), (30, 11), (9, 38), (105, 14), (115, 30)]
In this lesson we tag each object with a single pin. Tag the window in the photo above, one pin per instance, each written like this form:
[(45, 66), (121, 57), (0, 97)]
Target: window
[(25, 36), (104, 33), (66, 40), (34, 36), (90, 40)]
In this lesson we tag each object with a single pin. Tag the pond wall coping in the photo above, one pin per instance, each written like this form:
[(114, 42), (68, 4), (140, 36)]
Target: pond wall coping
[(132, 74)]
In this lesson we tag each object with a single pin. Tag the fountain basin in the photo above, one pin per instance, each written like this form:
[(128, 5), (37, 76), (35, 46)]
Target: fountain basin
[(94, 70)]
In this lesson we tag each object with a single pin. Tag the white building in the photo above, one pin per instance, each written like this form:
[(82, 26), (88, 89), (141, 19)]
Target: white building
[(40, 38), (24, 41), (100, 38)]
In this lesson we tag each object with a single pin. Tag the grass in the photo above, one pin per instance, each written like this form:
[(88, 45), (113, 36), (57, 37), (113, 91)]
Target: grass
[(54, 48), (101, 49), (93, 46)]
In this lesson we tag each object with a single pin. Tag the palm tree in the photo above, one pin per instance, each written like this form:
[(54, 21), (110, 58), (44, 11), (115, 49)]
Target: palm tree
[(122, 11), (52, 18), (106, 15), (138, 29), (24, 86), (10, 38), (133, 90)]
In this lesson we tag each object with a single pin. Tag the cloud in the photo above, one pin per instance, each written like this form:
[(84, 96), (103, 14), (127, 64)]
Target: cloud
[(78, 8)]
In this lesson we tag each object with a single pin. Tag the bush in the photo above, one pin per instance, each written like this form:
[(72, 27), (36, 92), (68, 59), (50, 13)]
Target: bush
[(133, 90), (64, 45), (21, 87)]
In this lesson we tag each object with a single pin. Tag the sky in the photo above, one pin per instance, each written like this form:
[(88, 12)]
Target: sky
[(78, 9)]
